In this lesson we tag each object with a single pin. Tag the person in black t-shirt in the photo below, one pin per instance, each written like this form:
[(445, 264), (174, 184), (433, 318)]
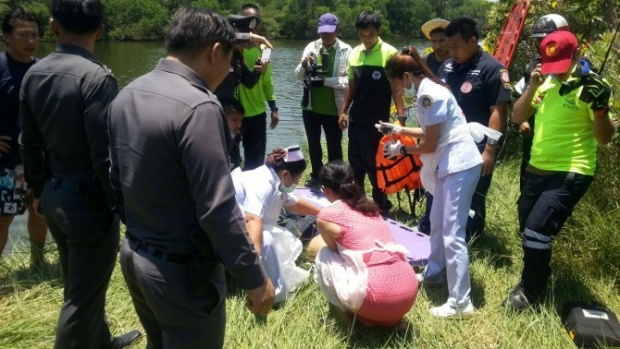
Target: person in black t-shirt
[(435, 31), (21, 35)]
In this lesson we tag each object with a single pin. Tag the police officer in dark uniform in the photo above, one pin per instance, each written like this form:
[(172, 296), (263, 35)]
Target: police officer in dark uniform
[(481, 86), (63, 108), (170, 140)]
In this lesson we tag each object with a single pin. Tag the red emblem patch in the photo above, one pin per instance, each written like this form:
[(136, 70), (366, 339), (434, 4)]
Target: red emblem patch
[(466, 87)]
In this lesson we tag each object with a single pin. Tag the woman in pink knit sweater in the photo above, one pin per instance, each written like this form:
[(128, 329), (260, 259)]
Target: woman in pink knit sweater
[(361, 270)]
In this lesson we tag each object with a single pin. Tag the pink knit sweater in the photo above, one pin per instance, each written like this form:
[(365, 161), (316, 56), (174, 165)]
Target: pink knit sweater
[(392, 285)]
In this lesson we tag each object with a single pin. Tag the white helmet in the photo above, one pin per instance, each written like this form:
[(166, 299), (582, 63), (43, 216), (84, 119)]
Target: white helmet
[(548, 24)]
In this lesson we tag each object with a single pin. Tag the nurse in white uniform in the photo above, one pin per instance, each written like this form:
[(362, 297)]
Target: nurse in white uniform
[(261, 193), (452, 167)]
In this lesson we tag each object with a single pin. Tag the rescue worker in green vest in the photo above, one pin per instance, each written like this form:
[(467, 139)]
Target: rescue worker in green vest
[(368, 96), (572, 117)]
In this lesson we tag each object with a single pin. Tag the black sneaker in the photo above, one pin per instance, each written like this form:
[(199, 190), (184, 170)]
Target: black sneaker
[(517, 300), (313, 183)]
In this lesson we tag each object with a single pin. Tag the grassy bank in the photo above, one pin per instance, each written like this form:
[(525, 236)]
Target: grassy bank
[(29, 302)]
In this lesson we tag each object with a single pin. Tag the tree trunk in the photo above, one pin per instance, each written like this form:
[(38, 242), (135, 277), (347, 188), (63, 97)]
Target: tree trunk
[(609, 13)]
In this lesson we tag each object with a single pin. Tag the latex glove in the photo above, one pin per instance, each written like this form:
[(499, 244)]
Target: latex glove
[(391, 149), (388, 129), (596, 91)]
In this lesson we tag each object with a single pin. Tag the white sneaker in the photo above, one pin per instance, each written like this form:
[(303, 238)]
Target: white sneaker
[(447, 311), (420, 278)]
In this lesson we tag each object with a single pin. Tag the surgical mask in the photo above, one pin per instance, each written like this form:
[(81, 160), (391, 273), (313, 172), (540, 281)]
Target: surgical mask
[(287, 189), (411, 92)]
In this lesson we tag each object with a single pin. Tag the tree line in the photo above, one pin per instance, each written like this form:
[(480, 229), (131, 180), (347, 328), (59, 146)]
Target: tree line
[(144, 20)]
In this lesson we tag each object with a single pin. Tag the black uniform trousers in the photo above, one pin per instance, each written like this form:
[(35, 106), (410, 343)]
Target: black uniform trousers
[(546, 202), (172, 316), (254, 138), (475, 224), (87, 237), (333, 135), (363, 144)]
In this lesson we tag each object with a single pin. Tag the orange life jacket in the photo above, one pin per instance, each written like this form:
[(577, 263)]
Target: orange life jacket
[(402, 172)]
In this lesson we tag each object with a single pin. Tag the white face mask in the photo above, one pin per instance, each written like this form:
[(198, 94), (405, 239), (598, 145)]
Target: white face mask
[(411, 91), (287, 189)]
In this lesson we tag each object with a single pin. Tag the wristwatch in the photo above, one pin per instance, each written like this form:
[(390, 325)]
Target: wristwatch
[(403, 150), (401, 118), (275, 109), (491, 141)]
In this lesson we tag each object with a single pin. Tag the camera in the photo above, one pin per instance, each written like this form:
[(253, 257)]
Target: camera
[(313, 75)]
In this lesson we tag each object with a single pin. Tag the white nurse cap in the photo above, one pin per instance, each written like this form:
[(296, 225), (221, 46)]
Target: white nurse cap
[(293, 154)]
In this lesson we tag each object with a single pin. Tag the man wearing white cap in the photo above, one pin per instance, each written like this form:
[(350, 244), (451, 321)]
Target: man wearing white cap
[(435, 31), (323, 92), (572, 116)]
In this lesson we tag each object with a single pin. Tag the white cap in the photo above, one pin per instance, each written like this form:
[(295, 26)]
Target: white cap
[(293, 153)]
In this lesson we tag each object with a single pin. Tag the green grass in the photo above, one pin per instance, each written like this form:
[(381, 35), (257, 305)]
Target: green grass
[(29, 302)]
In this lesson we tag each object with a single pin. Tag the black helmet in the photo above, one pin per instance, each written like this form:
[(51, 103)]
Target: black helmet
[(548, 24), (245, 24)]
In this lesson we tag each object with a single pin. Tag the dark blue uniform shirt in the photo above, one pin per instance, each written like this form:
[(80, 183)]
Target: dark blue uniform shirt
[(477, 85)]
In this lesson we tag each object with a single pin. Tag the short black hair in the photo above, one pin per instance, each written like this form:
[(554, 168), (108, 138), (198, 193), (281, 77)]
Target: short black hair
[(193, 29), (233, 104), (78, 16), (465, 26), (437, 31), (368, 19), (18, 14)]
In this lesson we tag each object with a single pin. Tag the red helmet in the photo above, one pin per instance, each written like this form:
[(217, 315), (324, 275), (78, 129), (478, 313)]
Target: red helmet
[(548, 24)]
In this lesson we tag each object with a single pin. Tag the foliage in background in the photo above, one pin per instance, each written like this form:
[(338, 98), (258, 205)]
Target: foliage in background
[(295, 19)]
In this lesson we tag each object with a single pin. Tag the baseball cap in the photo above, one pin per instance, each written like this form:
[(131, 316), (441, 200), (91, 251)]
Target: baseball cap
[(327, 23), (557, 52), (548, 24), (433, 24)]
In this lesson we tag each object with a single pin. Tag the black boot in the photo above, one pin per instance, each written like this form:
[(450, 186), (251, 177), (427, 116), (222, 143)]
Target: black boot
[(536, 272)]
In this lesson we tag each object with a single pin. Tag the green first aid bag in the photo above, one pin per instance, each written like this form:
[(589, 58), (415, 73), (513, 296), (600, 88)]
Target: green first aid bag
[(591, 325)]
